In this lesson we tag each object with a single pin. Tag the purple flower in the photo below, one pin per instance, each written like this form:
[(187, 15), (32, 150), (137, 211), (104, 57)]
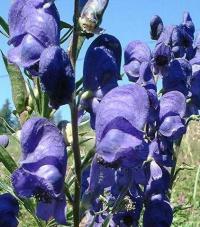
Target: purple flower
[(177, 77), (119, 124), (42, 170), (188, 24), (158, 179), (34, 26), (156, 27), (57, 75), (135, 53), (4, 140), (101, 71), (161, 58), (158, 212), (129, 214), (194, 104), (102, 62), (9, 209), (172, 111), (179, 38), (100, 178)]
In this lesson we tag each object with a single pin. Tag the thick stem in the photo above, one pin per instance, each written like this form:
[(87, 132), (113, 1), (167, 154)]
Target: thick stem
[(77, 162), (74, 119)]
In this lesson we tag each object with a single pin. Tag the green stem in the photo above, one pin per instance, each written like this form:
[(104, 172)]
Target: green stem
[(77, 162), (173, 170)]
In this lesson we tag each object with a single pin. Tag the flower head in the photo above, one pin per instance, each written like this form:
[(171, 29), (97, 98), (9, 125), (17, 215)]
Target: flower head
[(156, 27), (57, 75), (101, 71), (135, 53), (42, 170), (119, 124), (172, 111), (34, 26), (158, 212), (9, 209)]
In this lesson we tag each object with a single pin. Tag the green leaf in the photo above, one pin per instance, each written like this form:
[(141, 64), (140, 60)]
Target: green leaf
[(6, 125), (65, 25), (7, 160), (19, 92), (34, 99), (4, 25)]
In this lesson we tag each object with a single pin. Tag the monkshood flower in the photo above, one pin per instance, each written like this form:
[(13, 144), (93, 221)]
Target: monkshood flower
[(57, 75), (179, 38), (195, 61), (177, 76), (91, 16), (188, 24), (34, 26), (100, 178), (161, 58), (158, 212), (135, 53), (119, 125), (102, 62), (42, 168), (160, 151), (9, 209), (195, 92), (156, 27), (4, 140), (129, 213), (172, 111), (158, 179), (101, 71)]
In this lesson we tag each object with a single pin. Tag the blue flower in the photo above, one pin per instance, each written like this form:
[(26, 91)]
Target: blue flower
[(156, 27), (119, 124), (9, 209), (57, 76), (101, 71), (158, 212), (42, 170), (34, 26), (135, 54), (172, 111)]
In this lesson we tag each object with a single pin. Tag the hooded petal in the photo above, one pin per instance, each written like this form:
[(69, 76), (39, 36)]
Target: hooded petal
[(102, 62), (43, 163), (156, 27), (9, 209), (123, 102), (172, 127), (180, 71), (57, 76), (172, 103), (136, 52), (158, 212)]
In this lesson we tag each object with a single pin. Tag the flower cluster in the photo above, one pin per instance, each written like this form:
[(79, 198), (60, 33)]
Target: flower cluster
[(136, 129), (42, 168), (35, 34)]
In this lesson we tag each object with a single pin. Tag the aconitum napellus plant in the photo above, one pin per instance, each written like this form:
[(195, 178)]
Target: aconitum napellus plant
[(114, 163)]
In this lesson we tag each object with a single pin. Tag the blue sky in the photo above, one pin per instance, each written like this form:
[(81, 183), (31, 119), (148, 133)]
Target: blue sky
[(127, 20)]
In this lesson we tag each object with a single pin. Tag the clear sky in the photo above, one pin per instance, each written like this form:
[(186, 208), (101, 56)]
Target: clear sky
[(126, 19)]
